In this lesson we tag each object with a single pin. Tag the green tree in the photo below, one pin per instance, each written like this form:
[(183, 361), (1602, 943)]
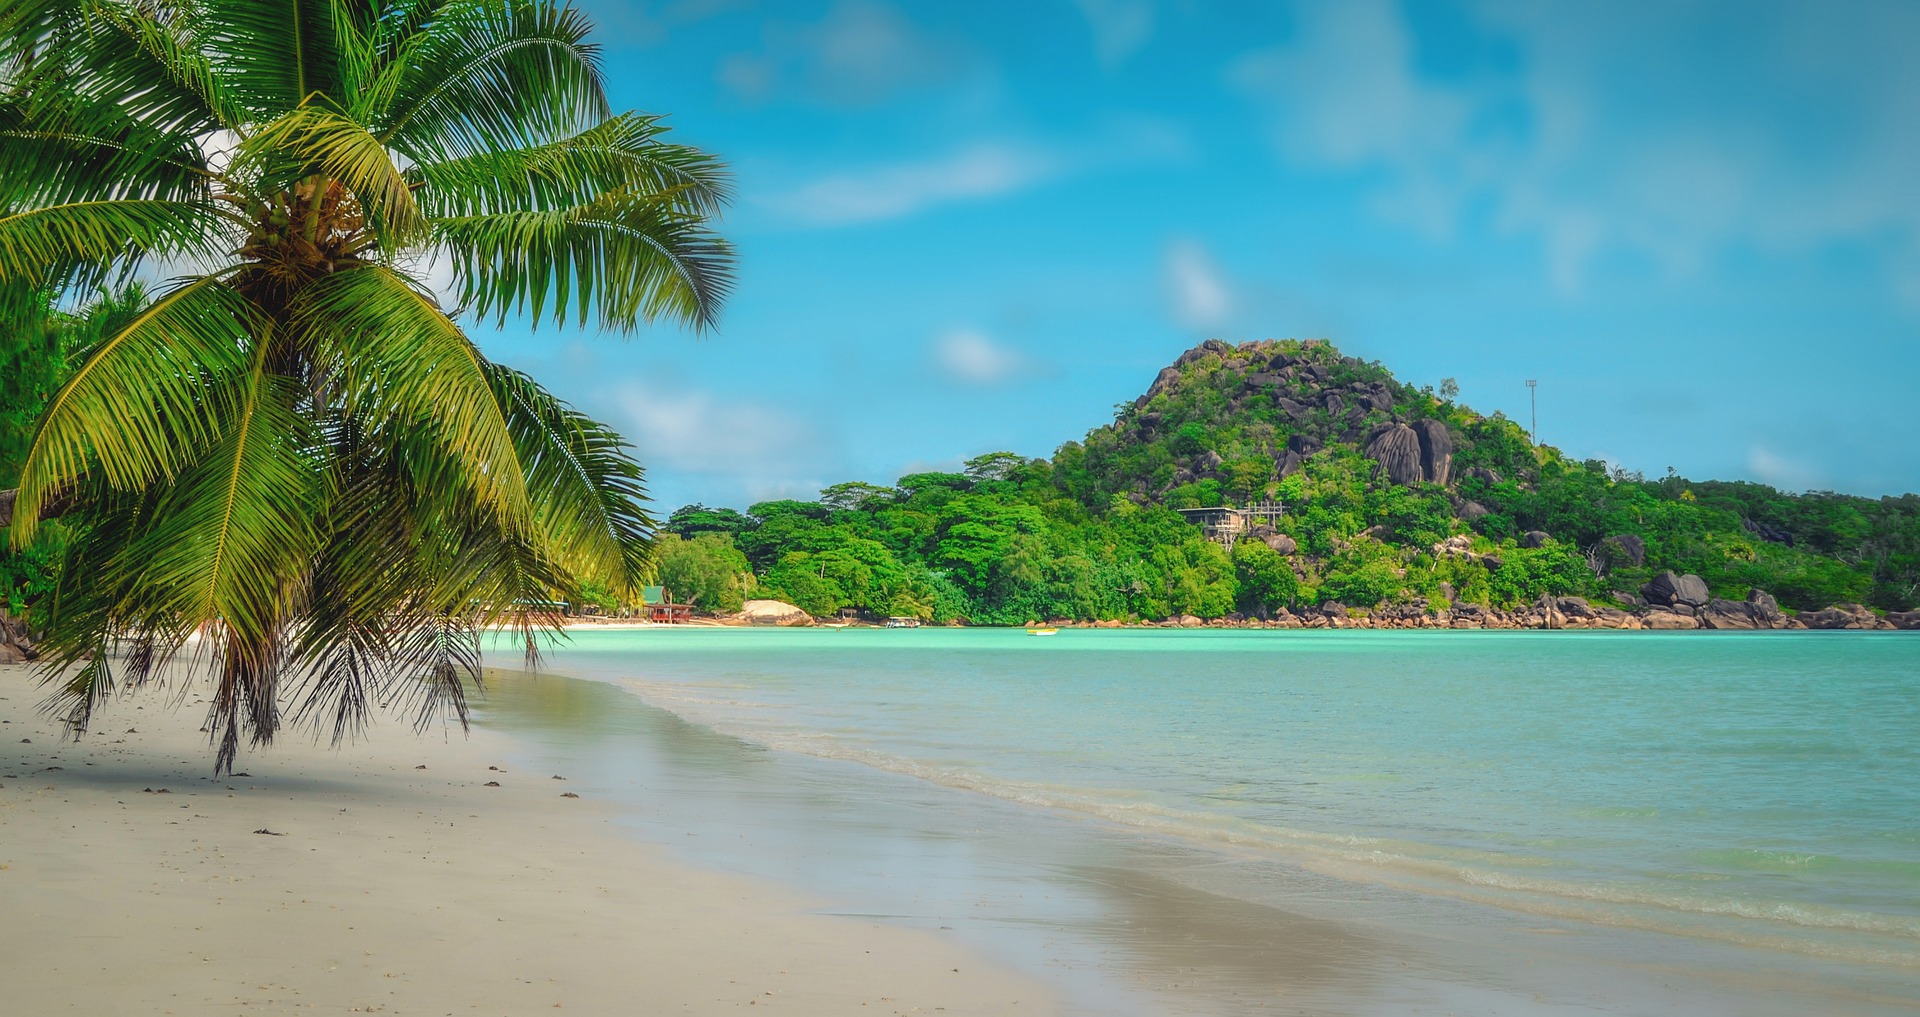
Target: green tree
[(994, 465), (296, 449), (1264, 578), (705, 570), (853, 495)]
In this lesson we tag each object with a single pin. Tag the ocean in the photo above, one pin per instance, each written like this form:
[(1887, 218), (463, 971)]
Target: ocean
[(1539, 820)]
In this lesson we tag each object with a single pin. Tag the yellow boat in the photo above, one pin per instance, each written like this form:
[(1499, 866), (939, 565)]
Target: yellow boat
[(1043, 632)]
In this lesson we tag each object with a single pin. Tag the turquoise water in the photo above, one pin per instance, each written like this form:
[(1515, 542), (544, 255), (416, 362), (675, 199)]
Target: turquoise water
[(1758, 789)]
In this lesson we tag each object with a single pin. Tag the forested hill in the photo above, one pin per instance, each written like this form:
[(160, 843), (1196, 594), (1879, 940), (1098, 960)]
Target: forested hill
[(1394, 498)]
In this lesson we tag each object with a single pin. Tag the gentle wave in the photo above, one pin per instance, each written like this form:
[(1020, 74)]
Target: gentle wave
[(1483, 877)]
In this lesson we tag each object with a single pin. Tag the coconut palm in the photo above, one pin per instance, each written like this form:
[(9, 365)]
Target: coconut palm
[(294, 449)]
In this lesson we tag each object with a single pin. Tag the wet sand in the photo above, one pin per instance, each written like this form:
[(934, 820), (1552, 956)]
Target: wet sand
[(389, 877)]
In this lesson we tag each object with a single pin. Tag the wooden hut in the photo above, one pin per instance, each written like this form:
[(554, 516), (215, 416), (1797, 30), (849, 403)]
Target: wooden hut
[(661, 608)]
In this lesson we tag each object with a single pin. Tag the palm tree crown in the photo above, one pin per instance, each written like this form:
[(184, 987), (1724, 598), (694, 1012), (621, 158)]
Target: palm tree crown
[(293, 448)]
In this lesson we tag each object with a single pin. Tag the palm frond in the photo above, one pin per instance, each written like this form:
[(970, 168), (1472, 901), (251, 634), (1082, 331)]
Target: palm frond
[(589, 494), (275, 54), (239, 524), (485, 76), (141, 403), (84, 241), (623, 260), (94, 62), (623, 153), (392, 355)]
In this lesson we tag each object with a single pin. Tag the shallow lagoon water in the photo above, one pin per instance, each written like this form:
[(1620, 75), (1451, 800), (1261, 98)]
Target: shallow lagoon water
[(1215, 821)]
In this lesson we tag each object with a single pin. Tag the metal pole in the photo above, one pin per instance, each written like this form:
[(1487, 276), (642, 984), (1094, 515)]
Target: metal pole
[(1533, 404)]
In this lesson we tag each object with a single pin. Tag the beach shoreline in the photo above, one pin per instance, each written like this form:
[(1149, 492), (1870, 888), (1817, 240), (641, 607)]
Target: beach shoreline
[(391, 877)]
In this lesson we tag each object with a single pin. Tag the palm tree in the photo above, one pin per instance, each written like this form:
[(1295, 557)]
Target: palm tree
[(293, 449)]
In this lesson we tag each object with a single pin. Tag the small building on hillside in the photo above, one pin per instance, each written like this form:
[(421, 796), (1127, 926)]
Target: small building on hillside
[(1225, 524), (661, 608)]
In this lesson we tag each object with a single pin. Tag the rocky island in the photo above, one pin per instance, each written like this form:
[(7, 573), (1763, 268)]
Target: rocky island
[(1283, 483)]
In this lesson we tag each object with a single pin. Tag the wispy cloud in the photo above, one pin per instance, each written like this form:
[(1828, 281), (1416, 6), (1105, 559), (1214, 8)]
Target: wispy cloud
[(1780, 471), (977, 171), (1120, 27), (982, 170), (970, 357), (1200, 297), (1597, 137), (861, 53), (694, 431)]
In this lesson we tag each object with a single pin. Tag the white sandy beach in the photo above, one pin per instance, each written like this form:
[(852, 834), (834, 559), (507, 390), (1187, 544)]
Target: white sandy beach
[(133, 882)]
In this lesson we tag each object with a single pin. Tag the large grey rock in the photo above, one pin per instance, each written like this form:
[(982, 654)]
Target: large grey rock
[(1667, 589), (1282, 543), (1904, 619), (1333, 402), (1534, 538), (1305, 444), (1830, 618), (1471, 510), (1629, 547), (1166, 379), (1211, 459), (1728, 614), (1667, 620), (1845, 616), (1286, 462), (1763, 602), (1483, 475), (1261, 379), (1574, 607), (1397, 449), (1436, 449), (1372, 401), (1293, 409)]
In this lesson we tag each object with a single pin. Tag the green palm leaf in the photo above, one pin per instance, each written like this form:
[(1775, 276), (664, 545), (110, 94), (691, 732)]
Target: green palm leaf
[(141, 402), (622, 260)]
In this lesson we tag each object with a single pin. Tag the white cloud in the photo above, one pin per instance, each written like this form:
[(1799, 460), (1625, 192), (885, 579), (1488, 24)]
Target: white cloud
[(1604, 136), (982, 170), (1200, 298), (970, 356), (978, 171), (1782, 472), (1120, 27), (697, 432)]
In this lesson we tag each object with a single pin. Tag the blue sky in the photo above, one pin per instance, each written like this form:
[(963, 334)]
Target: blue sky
[(965, 227)]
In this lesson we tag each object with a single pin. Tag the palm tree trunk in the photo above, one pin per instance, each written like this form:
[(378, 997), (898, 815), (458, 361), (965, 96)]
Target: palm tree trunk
[(54, 509)]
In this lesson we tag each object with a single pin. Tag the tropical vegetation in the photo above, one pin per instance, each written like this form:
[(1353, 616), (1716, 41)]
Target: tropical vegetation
[(287, 444), (1094, 533)]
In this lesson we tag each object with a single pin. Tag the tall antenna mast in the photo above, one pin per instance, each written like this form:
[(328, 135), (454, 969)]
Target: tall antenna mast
[(1533, 404)]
